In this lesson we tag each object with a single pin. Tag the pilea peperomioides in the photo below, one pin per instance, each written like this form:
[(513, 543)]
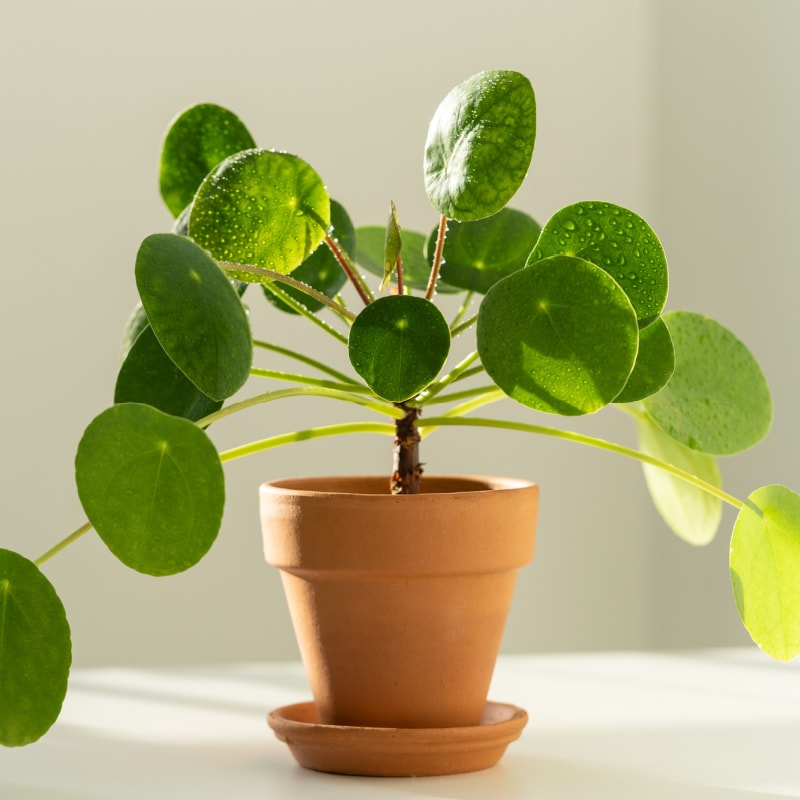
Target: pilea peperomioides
[(568, 318)]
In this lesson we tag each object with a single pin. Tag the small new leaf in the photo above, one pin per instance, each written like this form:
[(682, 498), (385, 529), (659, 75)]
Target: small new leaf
[(392, 247)]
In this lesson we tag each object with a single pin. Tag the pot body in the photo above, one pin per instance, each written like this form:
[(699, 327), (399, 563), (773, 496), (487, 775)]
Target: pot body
[(399, 602)]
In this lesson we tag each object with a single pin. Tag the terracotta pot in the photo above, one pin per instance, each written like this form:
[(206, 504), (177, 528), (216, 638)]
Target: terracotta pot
[(399, 603)]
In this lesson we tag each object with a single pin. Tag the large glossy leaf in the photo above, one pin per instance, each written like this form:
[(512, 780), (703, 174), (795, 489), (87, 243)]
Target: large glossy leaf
[(691, 513), (195, 313), (479, 145), (765, 564), (149, 376), (617, 240), (196, 141), (35, 651), (262, 208), (655, 363), (321, 270), (717, 400), (371, 252), (559, 336), (398, 344), (152, 486), (477, 254)]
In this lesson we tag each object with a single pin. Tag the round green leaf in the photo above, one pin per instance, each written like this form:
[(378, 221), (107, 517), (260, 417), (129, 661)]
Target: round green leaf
[(559, 336), (195, 313), (370, 249), (477, 254), (617, 240), (35, 651), (149, 376), (196, 141), (398, 344), (717, 400), (261, 208), (479, 145), (152, 486), (691, 513), (321, 270), (764, 564), (655, 363)]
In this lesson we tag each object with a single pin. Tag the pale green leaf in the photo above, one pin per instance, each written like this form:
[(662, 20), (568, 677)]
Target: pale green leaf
[(717, 400), (692, 513), (765, 570)]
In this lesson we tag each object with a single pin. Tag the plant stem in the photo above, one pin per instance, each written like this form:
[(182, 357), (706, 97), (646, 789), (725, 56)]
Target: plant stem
[(347, 266), (74, 536), (284, 351), (399, 269), (260, 272), (406, 471), (461, 311), (465, 393), (285, 297), (374, 404), (344, 386), (384, 428), (459, 371), (591, 441), (467, 323), (430, 291)]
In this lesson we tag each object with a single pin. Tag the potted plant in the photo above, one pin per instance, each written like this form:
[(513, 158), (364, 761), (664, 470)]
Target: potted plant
[(567, 318)]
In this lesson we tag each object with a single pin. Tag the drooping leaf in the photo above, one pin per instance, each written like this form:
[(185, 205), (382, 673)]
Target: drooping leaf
[(321, 270), (717, 400), (765, 564), (152, 486), (479, 145), (392, 247), (149, 376), (195, 313), (477, 254), (691, 513), (370, 254), (617, 240), (559, 336), (262, 208), (655, 363), (136, 323), (35, 651), (196, 141), (398, 344)]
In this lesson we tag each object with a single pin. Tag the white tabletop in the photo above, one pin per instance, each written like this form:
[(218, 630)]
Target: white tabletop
[(705, 724)]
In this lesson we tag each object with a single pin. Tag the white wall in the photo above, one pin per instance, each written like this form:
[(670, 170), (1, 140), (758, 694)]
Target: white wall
[(87, 90), (726, 179)]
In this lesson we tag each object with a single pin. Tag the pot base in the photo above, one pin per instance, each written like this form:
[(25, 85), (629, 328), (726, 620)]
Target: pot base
[(396, 752)]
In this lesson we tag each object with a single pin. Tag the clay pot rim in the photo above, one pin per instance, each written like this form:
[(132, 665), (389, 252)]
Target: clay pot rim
[(432, 485)]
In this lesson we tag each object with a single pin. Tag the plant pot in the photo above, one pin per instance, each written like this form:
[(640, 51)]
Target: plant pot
[(399, 602)]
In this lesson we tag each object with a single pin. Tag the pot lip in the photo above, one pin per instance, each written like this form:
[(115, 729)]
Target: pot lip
[(464, 484)]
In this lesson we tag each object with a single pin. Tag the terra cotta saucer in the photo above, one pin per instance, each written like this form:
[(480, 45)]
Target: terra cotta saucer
[(396, 752)]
